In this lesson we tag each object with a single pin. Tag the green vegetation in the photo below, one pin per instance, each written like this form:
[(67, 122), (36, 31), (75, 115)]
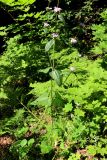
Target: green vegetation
[(53, 80)]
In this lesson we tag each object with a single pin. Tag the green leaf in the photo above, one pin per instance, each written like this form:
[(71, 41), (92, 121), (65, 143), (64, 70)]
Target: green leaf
[(74, 156), (56, 75), (46, 70), (22, 152), (23, 142), (91, 150), (43, 100), (2, 33), (45, 148), (2, 28), (57, 100), (67, 108), (49, 45), (21, 131), (3, 95), (37, 15), (31, 141), (79, 112), (24, 64), (18, 2), (61, 18)]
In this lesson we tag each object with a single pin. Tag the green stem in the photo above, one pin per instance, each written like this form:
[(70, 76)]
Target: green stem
[(53, 54), (51, 98), (57, 3), (50, 60), (39, 120), (52, 108), (29, 110), (49, 1)]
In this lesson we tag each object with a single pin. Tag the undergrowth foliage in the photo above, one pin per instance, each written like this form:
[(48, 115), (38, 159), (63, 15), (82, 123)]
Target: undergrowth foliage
[(53, 96)]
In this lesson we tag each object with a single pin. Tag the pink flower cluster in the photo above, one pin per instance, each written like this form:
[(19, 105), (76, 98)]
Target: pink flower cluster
[(55, 35), (46, 24), (57, 9)]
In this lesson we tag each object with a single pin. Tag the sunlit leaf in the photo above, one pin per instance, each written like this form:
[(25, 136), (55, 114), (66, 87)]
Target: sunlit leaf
[(45, 148), (43, 100), (31, 141), (56, 75), (67, 108), (49, 45), (46, 70), (23, 142)]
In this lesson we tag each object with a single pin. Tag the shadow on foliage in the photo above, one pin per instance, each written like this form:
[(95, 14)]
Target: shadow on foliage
[(104, 63)]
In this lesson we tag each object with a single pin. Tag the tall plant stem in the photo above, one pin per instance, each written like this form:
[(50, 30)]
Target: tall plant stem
[(57, 3), (53, 65), (49, 1)]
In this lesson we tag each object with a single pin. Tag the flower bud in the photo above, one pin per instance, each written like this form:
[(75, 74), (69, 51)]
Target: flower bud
[(72, 69), (73, 40), (79, 55), (48, 8)]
